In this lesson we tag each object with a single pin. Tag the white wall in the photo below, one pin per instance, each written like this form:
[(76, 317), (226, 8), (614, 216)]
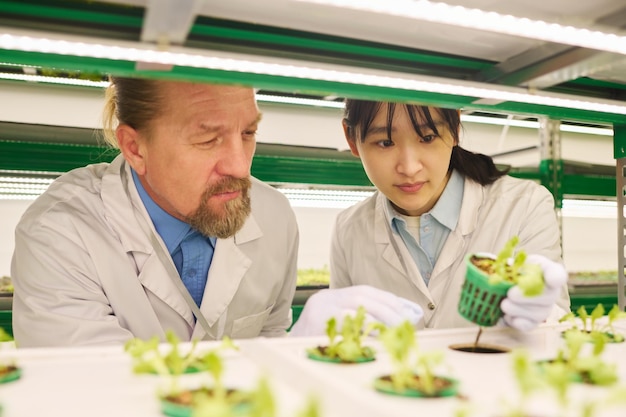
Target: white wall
[(588, 243)]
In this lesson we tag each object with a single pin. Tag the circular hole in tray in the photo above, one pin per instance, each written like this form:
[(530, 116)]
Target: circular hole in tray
[(479, 348)]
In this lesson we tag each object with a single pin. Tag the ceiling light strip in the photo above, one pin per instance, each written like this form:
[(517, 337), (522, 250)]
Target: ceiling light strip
[(531, 124), (266, 98), (219, 60), (470, 18), (300, 101)]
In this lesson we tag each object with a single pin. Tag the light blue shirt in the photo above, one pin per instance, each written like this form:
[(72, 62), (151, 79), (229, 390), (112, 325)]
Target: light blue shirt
[(435, 226), (180, 238)]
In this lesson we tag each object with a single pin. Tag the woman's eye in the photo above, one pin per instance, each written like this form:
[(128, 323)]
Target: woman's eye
[(428, 138), (385, 143)]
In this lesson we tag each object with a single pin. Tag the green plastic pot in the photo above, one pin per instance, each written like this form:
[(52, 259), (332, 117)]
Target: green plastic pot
[(12, 375), (175, 409), (480, 300), (318, 356), (385, 385)]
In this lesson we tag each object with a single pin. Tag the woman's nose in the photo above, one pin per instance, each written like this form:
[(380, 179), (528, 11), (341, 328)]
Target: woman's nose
[(409, 161)]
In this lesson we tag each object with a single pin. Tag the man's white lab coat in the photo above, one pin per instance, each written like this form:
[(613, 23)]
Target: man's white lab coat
[(86, 273)]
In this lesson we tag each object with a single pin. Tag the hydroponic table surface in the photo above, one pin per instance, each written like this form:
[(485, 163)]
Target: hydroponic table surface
[(99, 381)]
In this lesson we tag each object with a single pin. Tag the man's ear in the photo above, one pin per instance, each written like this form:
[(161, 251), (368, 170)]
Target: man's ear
[(130, 144), (350, 138)]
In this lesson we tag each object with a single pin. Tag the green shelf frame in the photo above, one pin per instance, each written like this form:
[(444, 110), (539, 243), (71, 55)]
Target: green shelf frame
[(123, 22), (45, 149)]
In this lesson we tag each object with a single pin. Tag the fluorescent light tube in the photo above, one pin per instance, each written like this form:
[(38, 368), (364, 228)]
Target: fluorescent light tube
[(229, 61), (599, 209), (486, 21), (300, 101), (266, 98), (533, 124)]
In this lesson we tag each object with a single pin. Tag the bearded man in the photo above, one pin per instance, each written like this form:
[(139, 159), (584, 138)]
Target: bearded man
[(174, 234)]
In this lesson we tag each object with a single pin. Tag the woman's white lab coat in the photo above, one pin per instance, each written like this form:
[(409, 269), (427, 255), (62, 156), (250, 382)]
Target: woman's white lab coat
[(363, 251), (86, 273)]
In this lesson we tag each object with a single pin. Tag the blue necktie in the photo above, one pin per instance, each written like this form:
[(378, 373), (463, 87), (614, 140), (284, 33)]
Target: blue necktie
[(197, 254)]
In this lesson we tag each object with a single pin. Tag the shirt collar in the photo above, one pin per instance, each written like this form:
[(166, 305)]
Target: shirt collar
[(447, 209), (171, 230)]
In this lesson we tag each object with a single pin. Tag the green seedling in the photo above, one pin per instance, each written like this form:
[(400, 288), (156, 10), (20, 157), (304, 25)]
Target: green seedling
[(592, 368), (148, 356), (349, 347), (529, 380), (4, 336), (556, 376), (214, 399), (592, 324), (311, 408), (400, 342), (313, 276), (512, 267), (413, 369)]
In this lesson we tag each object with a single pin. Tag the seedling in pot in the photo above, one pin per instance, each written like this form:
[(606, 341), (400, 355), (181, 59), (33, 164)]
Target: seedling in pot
[(590, 369), (593, 323), (488, 280), (529, 380), (148, 356), (214, 399), (414, 370), (8, 371), (347, 347)]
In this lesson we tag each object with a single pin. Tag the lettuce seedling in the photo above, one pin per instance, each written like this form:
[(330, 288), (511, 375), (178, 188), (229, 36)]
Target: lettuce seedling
[(148, 356), (512, 268), (349, 347), (4, 336), (413, 369), (592, 368), (399, 342), (592, 324), (529, 381)]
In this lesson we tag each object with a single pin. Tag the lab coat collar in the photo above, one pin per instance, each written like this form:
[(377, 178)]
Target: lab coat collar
[(120, 199), (119, 206), (383, 233), (230, 264), (473, 197)]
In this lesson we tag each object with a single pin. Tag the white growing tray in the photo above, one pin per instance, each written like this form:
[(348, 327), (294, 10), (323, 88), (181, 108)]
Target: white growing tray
[(99, 381)]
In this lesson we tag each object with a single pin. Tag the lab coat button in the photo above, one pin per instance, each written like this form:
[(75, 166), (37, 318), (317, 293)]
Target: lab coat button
[(431, 306)]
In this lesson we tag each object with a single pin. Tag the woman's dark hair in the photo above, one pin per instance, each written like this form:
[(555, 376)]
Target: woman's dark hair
[(359, 115)]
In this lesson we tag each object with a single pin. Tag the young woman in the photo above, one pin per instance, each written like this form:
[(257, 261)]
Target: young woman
[(435, 203)]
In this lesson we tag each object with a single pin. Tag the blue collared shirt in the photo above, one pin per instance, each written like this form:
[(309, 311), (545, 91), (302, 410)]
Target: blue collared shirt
[(177, 234), (434, 227)]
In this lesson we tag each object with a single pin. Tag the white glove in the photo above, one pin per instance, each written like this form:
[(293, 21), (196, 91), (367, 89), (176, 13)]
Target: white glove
[(380, 306), (526, 313)]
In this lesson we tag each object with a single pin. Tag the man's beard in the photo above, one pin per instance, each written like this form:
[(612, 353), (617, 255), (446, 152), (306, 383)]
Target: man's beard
[(226, 220)]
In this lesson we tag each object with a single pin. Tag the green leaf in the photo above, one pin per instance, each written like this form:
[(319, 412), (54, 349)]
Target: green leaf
[(530, 280)]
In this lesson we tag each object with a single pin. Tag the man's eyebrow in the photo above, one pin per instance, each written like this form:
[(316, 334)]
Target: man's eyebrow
[(209, 128), (257, 120), (205, 127)]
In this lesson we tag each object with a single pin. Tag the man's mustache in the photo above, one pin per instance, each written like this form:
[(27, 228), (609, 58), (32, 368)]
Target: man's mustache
[(228, 184)]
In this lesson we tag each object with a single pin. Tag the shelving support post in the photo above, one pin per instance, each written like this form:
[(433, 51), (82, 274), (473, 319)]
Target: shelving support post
[(619, 151)]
